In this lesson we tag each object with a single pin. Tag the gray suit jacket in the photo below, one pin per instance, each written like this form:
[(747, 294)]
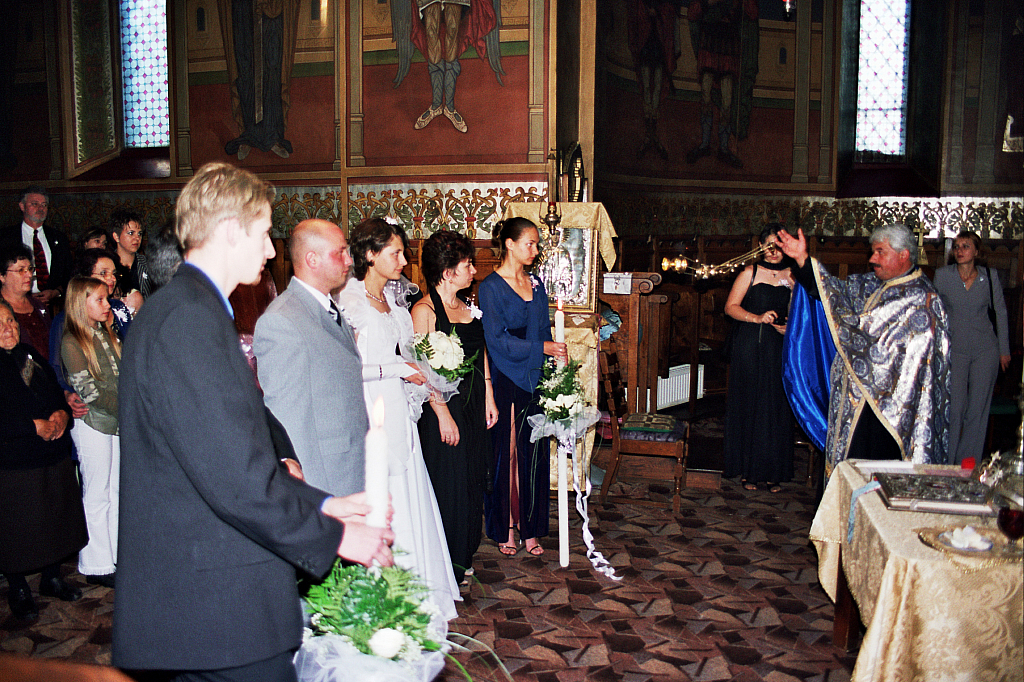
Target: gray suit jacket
[(211, 528), (312, 379)]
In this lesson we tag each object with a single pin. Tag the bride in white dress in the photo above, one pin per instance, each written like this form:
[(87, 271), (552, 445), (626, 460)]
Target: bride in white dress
[(383, 326)]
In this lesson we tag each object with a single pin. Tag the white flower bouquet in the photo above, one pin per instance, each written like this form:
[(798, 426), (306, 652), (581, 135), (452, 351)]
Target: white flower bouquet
[(561, 394), (375, 625), (566, 412), (443, 352), (442, 360), (380, 611)]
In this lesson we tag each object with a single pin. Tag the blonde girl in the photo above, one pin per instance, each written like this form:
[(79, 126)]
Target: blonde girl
[(91, 353)]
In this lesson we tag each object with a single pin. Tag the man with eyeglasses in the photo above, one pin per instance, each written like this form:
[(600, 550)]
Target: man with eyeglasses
[(51, 256)]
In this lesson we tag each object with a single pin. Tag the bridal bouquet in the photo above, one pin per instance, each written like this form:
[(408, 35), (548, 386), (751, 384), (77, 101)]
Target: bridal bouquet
[(442, 361), (380, 611), (561, 393), (443, 353)]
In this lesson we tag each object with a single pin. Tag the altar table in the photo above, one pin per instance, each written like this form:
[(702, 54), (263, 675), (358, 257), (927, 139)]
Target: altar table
[(929, 615)]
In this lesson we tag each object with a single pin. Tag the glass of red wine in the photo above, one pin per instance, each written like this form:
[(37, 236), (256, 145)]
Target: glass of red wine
[(1010, 519)]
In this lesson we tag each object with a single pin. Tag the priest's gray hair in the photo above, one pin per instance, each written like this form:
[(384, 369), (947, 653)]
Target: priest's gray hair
[(900, 238)]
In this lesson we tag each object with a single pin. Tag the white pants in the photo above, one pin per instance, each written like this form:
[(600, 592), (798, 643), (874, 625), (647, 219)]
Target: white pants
[(99, 459)]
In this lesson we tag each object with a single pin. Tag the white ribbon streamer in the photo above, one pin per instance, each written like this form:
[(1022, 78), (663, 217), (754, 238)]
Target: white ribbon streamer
[(567, 431)]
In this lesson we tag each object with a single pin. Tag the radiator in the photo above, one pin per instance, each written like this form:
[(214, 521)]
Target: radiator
[(676, 389)]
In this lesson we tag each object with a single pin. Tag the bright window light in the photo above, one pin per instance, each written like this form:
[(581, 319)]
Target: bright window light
[(882, 78), (147, 120)]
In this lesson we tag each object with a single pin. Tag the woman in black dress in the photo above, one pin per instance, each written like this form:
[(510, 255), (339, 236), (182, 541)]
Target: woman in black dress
[(456, 446), (759, 422), (41, 516)]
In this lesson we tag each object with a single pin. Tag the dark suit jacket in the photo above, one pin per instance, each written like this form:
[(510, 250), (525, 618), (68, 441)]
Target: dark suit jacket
[(60, 253), (211, 528)]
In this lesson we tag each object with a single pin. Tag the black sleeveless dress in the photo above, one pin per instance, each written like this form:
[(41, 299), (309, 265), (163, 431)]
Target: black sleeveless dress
[(458, 472), (759, 422)]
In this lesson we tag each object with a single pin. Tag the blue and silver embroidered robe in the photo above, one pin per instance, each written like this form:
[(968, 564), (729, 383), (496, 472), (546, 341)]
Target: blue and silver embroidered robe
[(892, 357)]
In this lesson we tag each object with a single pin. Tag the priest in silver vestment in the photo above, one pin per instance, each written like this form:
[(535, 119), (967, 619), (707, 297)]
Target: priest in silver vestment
[(888, 385)]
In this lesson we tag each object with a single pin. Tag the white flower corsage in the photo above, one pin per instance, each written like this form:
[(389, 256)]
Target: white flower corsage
[(474, 311)]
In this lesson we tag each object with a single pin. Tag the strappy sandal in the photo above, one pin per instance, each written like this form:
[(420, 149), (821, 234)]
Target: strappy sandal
[(747, 485), (536, 550), (505, 547), (774, 488)]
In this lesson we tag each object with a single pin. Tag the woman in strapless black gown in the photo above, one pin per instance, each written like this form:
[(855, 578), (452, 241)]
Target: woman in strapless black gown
[(453, 435), (759, 422)]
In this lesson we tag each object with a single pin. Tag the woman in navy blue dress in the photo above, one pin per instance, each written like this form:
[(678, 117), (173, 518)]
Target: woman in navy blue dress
[(518, 336)]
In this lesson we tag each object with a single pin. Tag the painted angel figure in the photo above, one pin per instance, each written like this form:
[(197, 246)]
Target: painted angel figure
[(442, 30)]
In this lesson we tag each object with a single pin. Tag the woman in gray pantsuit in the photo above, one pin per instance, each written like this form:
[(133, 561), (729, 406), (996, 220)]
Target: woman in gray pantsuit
[(978, 351)]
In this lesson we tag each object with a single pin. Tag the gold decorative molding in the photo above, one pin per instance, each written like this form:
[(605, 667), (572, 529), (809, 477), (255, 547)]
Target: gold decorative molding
[(636, 214)]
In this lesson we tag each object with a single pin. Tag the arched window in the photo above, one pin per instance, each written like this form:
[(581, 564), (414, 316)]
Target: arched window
[(144, 73)]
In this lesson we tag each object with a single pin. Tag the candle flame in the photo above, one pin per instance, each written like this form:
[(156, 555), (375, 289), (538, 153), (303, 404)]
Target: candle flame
[(378, 412), (559, 303)]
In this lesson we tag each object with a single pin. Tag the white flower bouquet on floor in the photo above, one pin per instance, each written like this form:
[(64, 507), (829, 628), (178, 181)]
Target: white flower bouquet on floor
[(376, 625), (381, 611), (371, 624)]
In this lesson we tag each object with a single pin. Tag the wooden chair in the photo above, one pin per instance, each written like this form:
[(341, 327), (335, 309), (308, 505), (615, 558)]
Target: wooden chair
[(672, 444), (815, 458)]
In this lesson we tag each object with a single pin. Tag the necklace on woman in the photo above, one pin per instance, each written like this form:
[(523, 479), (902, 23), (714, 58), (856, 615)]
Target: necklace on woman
[(378, 300)]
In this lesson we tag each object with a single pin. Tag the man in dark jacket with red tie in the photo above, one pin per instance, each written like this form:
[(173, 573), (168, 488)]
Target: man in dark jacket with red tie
[(50, 253)]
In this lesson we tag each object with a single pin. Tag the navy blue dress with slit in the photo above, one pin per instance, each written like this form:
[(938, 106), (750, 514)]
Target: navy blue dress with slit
[(515, 331)]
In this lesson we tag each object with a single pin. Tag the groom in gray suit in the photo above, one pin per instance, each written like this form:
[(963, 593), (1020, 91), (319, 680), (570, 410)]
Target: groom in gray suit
[(310, 370)]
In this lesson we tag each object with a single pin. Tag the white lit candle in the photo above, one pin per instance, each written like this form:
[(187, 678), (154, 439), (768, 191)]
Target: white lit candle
[(563, 510), (377, 468), (560, 323), (560, 328)]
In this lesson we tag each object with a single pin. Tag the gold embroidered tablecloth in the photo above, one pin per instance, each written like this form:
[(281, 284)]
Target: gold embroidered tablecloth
[(929, 616)]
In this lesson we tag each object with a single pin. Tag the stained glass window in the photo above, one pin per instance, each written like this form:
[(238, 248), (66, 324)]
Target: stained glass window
[(882, 78), (144, 73)]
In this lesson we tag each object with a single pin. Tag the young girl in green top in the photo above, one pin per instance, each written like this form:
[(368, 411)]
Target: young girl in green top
[(91, 352)]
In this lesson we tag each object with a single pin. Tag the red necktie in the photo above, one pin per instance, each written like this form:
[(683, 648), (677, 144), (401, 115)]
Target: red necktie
[(42, 272)]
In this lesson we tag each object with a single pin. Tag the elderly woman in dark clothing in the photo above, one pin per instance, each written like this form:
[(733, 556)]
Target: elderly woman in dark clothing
[(41, 516)]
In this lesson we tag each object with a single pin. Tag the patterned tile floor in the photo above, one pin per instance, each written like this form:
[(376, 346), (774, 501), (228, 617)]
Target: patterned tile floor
[(724, 590)]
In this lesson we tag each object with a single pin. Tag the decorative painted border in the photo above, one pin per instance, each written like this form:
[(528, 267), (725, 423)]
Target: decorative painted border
[(472, 208), (635, 214)]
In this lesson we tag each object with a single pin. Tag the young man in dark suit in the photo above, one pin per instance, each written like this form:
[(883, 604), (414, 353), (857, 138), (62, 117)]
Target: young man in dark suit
[(212, 528)]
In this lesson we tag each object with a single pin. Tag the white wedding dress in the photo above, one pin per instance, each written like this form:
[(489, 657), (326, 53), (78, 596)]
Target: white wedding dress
[(419, 535)]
